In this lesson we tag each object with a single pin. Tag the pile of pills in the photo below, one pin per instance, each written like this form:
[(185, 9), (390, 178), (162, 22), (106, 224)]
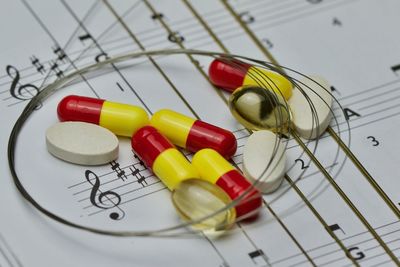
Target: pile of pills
[(261, 100), (199, 188)]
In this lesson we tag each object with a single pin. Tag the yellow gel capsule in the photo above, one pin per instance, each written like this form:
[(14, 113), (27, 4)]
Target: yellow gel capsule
[(195, 199), (260, 109)]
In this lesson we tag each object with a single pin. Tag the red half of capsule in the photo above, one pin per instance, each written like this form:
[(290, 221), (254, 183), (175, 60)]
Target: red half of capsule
[(149, 144), (227, 73), (203, 134), (80, 108), (234, 184)]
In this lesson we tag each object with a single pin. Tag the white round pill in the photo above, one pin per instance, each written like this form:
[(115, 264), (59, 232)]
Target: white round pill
[(308, 124), (264, 160), (82, 143)]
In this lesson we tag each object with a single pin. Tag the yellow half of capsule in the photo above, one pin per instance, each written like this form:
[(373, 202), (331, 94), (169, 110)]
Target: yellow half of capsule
[(268, 79), (210, 165), (172, 168), (173, 125), (122, 119)]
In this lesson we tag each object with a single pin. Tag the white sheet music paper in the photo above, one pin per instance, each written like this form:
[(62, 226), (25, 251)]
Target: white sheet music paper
[(353, 44)]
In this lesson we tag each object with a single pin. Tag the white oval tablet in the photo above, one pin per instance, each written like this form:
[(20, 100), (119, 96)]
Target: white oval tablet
[(307, 125), (82, 143), (264, 160)]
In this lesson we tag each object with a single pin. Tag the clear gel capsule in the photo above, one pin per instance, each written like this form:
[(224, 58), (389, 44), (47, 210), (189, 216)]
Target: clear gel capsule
[(260, 109), (195, 199)]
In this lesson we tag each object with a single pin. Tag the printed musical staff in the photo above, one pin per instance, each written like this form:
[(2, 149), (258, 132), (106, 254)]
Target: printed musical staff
[(226, 31), (121, 183), (116, 188)]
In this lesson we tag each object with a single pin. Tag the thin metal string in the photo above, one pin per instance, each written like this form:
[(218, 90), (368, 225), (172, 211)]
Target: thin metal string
[(48, 90)]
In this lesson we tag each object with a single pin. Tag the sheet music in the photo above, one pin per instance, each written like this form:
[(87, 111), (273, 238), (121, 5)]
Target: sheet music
[(352, 43)]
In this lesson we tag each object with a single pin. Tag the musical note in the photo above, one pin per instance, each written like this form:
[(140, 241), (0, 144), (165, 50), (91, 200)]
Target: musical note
[(82, 38), (21, 92), (336, 22), (39, 66), (268, 43), (335, 227), (134, 172), (60, 53), (333, 89), (140, 161), (101, 56), (139, 177), (54, 67), (246, 17), (175, 37), (395, 69), (157, 16), (258, 253), (98, 200), (195, 61), (120, 87), (120, 173)]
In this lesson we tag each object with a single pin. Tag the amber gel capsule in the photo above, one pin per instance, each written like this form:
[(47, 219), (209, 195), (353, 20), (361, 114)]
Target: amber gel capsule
[(193, 198), (260, 109)]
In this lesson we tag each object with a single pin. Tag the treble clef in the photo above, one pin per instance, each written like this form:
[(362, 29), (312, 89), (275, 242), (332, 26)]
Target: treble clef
[(98, 200), (21, 92)]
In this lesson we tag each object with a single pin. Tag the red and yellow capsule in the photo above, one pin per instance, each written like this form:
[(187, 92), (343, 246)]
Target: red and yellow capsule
[(194, 199), (121, 119), (193, 134), (214, 168), (230, 74), (160, 155)]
